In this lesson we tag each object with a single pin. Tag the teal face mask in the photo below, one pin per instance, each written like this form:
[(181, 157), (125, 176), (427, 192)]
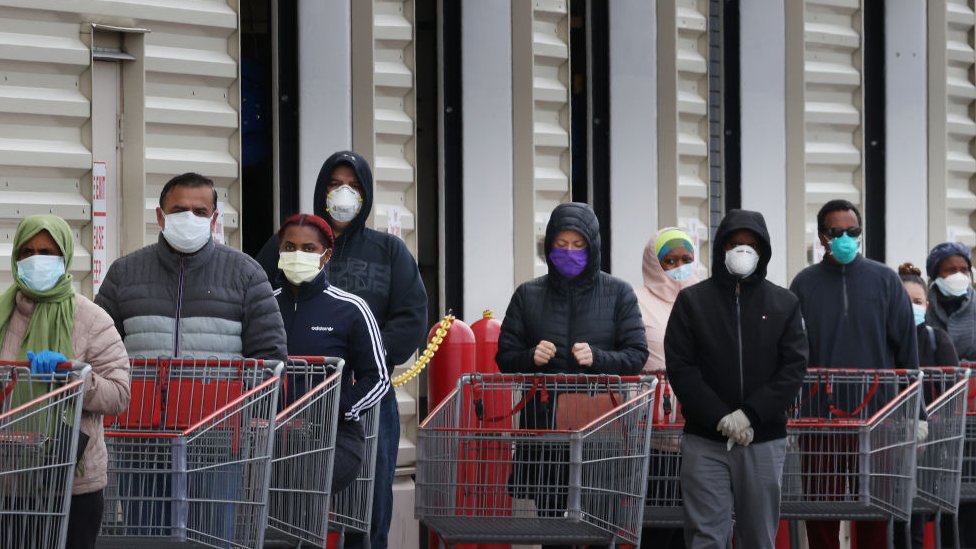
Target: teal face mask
[(844, 248)]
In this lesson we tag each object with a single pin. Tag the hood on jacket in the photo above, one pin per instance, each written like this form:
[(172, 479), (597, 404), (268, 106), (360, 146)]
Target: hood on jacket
[(734, 221), (363, 174), (578, 217), (658, 283)]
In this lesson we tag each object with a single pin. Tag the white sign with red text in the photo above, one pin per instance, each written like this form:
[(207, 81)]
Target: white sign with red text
[(218, 230), (99, 224), (394, 225)]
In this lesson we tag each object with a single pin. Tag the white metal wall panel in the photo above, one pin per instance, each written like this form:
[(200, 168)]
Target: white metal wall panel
[(191, 114), (45, 160), (540, 83), (829, 123), (683, 130), (185, 111), (952, 125)]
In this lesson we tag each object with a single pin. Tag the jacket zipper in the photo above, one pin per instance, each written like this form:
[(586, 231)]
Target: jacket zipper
[(179, 311), (569, 344), (738, 325), (843, 276)]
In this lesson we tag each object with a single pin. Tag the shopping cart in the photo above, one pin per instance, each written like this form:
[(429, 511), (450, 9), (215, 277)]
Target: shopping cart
[(305, 435), (851, 446), (575, 445), (663, 507), (939, 468), (352, 508), (39, 415), (190, 460)]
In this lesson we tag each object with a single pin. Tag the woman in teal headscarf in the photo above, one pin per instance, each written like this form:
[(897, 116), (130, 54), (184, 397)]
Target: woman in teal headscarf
[(44, 321)]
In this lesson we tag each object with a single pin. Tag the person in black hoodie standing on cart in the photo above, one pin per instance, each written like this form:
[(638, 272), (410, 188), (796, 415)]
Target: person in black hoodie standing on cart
[(736, 352), (377, 267)]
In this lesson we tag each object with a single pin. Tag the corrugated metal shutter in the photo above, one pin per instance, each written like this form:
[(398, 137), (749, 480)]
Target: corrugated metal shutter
[(45, 164), (540, 104), (192, 101), (830, 124), (384, 104), (188, 119), (952, 128), (683, 172)]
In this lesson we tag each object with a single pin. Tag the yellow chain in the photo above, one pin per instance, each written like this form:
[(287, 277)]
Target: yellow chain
[(424, 358)]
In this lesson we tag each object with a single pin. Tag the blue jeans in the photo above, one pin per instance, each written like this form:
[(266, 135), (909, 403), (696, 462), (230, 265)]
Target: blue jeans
[(387, 446)]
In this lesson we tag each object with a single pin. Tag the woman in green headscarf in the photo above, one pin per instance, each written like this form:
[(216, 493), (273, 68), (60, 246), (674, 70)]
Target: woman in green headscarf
[(44, 321)]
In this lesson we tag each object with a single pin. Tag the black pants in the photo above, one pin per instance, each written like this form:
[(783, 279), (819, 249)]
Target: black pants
[(85, 520)]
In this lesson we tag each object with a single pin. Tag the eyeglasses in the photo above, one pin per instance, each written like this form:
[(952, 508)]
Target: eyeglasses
[(837, 232)]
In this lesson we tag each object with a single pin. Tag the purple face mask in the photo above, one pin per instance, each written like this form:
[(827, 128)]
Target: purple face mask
[(569, 263)]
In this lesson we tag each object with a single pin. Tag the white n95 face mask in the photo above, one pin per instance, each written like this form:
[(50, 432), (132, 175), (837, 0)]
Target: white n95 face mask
[(741, 260), (343, 203), (299, 267), (956, 284), (186, 232)]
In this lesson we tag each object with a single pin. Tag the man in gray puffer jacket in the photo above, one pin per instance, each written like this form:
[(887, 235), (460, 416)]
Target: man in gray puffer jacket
[(187, 295)]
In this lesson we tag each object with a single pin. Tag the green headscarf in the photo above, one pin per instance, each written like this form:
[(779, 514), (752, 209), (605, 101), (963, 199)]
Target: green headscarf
[(53, 320)]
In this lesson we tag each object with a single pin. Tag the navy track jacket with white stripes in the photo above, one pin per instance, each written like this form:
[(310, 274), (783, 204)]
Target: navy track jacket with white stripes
[(323, 320)]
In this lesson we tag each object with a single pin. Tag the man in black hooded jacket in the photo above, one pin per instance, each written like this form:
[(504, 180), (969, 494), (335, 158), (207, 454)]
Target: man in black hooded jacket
[(736, 352), (377, 267)]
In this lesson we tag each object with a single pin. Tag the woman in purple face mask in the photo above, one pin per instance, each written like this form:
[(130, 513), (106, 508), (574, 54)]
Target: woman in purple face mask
[(576, 319)]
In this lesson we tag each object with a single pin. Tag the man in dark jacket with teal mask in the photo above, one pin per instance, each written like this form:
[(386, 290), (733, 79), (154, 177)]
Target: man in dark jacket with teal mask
[(736, 352), (858, 316), (379, 268)]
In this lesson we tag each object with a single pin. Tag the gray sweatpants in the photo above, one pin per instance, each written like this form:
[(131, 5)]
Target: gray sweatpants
[(714, 481)]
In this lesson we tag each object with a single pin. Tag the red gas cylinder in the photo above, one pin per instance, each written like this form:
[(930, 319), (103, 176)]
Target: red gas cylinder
[(492, 459), (455, 356)]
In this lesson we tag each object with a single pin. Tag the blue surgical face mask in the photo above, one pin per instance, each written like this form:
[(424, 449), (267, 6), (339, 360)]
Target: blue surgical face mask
[(919, 312), (569, 263), (843, 248), (40, 272), (681, 273)]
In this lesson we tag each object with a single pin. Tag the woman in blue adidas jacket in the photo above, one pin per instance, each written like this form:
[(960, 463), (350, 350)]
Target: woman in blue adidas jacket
[(322, 320)]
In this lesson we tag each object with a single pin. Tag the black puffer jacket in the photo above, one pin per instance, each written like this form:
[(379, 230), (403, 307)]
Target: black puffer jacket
[(593, 308), (736, 343)]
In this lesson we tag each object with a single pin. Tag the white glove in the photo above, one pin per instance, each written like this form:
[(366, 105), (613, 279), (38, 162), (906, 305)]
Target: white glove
[(733, 424), (922, 431), (745, 437)]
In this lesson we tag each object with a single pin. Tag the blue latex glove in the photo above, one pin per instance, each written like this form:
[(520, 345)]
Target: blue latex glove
[(45, 362)]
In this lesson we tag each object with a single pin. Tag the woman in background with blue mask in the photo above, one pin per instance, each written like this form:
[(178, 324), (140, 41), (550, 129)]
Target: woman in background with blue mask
[(43, 320), (934, 349), (669, 266)]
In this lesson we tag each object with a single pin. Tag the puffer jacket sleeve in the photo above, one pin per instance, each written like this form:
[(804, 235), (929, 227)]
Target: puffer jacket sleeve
[(630, 345), (515, 351), (263, 329), (770, 402), (699, 402), (108, 391)]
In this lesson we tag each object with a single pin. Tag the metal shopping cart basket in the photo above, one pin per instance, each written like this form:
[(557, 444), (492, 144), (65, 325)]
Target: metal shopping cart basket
[(305, 437), (576, 446), (851, 445), (352, 508), (663, 507), (39, 418), (190, 460), (939, 467)]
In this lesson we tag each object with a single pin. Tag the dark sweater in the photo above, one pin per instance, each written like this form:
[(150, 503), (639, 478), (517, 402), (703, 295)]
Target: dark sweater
[(857, 315)]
